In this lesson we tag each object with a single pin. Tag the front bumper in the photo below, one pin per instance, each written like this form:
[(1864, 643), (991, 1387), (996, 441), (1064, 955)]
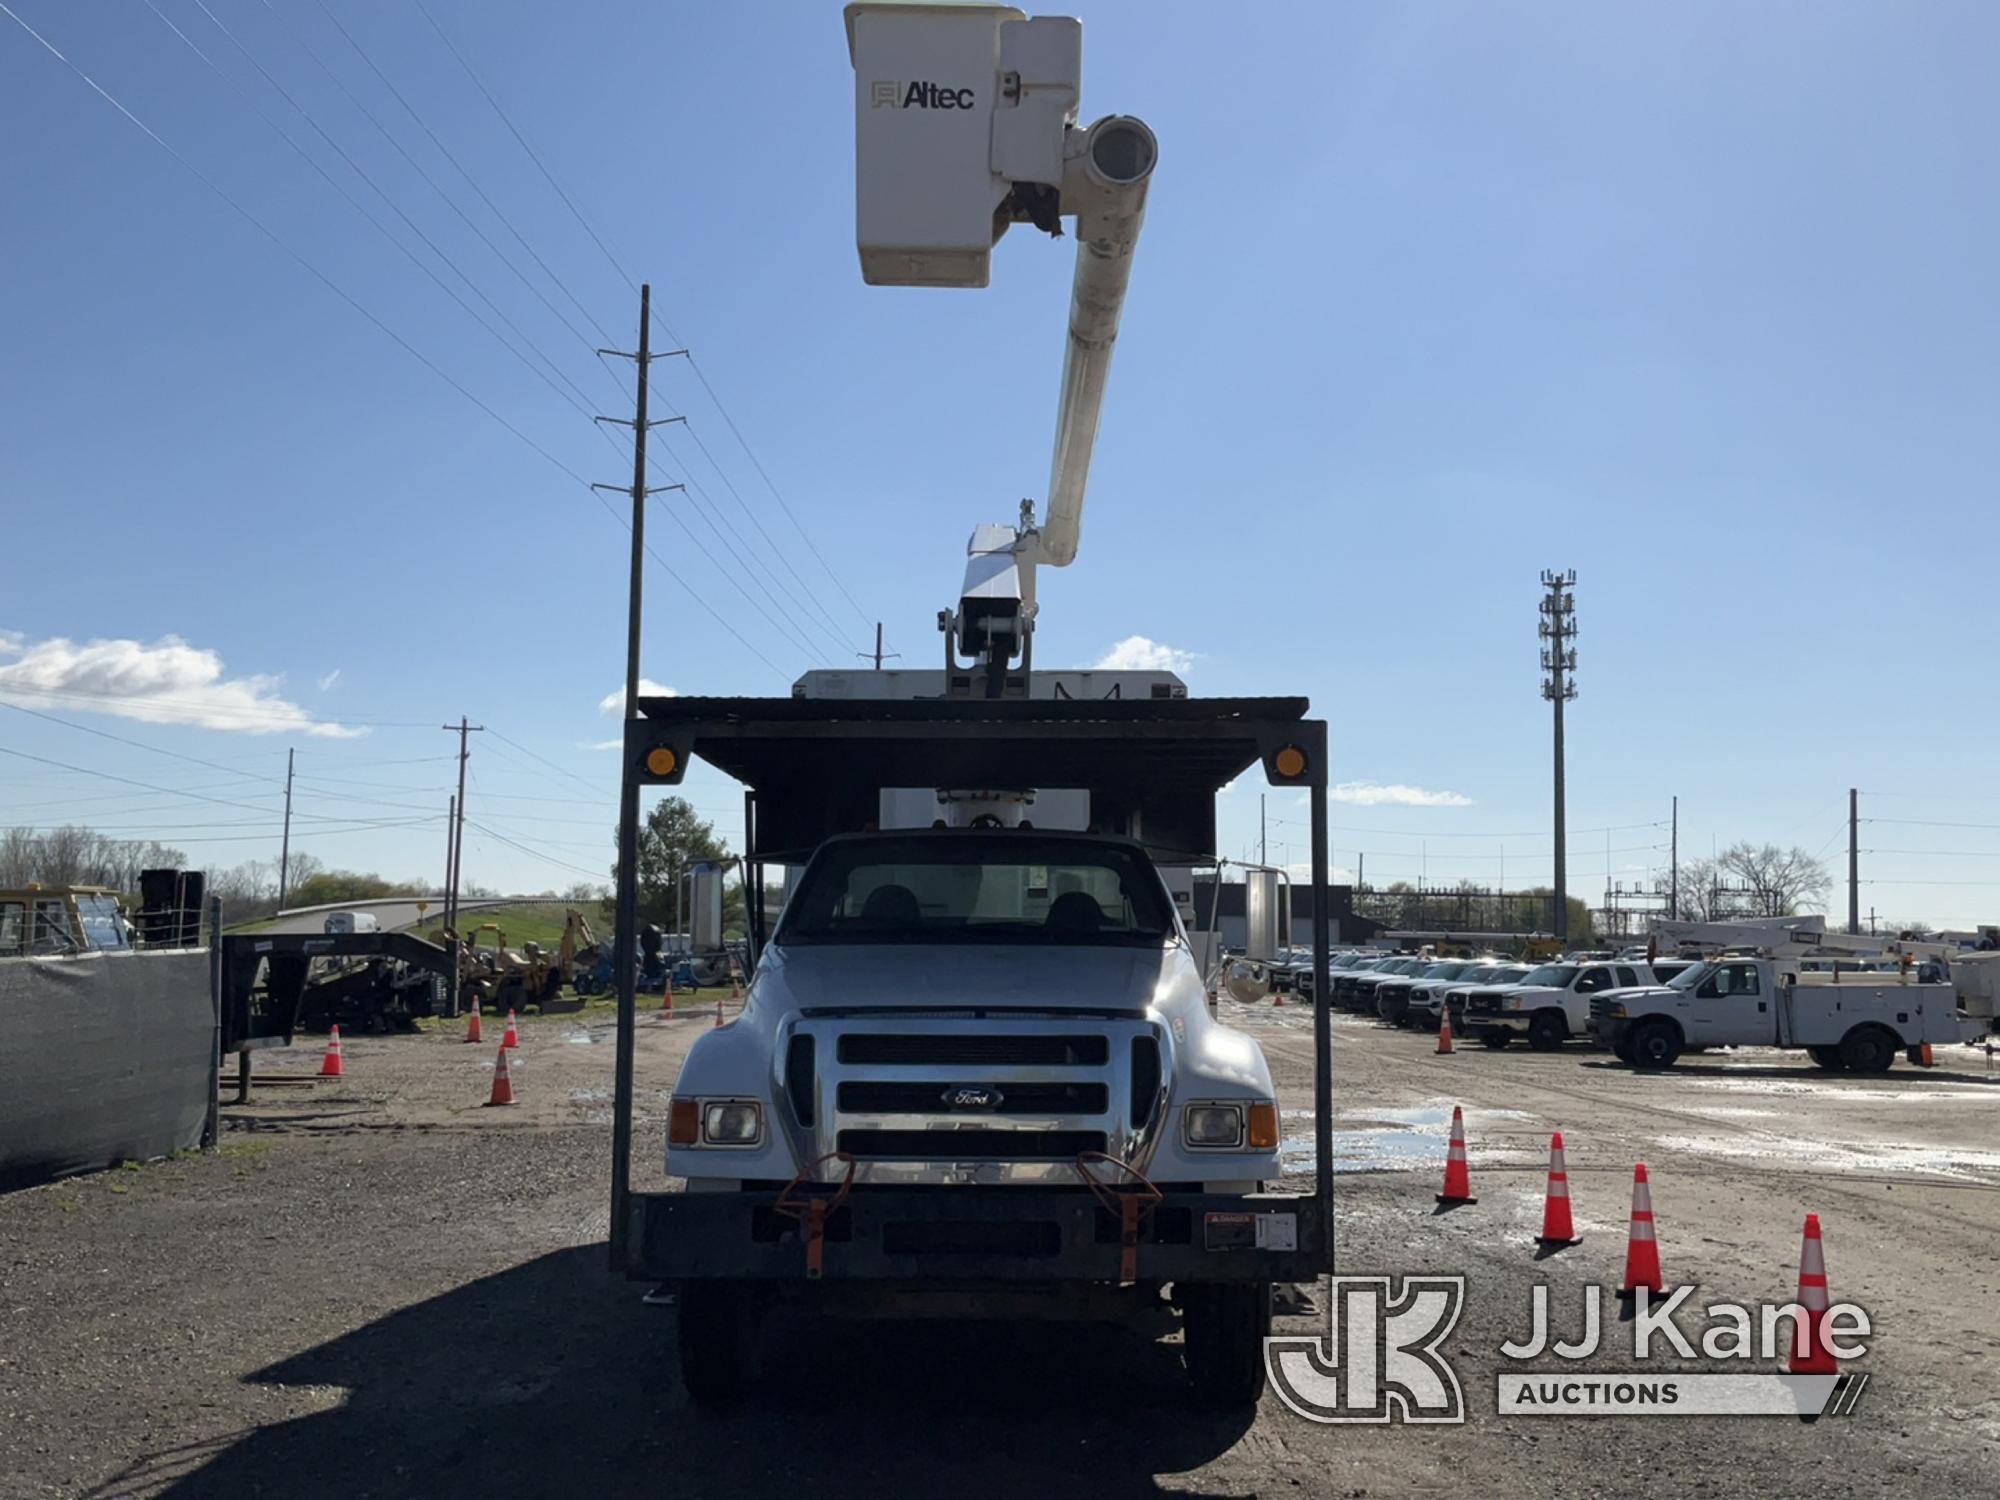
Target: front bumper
[(970, 1235), (1610, 1030), (1510, 1022)]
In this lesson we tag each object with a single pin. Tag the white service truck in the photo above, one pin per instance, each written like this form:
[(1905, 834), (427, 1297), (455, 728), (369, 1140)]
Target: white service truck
[(1547, 1005), (975, 1070), (1737, 1001)]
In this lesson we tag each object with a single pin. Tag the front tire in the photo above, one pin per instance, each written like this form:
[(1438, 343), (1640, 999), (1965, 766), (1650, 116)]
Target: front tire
[(1496, 1039), (1223, 1328), (721, 1329), (1828, 1058), (1547, 1032), (1656, 1044)]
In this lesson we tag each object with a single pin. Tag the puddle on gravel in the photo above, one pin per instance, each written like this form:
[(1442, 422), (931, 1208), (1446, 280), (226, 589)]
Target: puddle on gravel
[(580, 1038), (1888, 1157), (1833, 1090), (1393, 1140)]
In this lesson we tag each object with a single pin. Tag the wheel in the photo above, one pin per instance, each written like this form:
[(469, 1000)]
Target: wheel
[(1496, 1039), (1622, 1050), (1867, 1050), (1655, 1044), (1223, 1328), (1827, 1057), (720, 1328), (1547, 1031)]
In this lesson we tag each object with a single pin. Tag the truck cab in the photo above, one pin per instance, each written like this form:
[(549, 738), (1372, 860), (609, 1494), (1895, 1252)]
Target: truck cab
[(1550, 1004)]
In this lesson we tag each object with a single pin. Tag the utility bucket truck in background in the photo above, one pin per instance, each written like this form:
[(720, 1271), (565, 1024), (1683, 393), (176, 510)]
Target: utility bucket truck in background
[(975, 1071)]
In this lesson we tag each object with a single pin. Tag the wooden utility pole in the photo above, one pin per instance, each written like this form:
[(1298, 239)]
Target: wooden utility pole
[(625, 939), (1674, 889), (1854, 861), (461, 729), (285, 845), (450, 857)]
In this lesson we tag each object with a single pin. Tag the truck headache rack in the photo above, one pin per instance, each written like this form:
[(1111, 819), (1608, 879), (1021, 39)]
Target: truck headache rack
[(816, 768)]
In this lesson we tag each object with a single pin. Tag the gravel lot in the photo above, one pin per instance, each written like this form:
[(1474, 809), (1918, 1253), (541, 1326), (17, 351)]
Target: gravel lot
[(379, 1288)]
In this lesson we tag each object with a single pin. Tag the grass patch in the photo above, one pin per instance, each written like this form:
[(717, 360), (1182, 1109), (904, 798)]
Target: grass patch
[(244, 1150)]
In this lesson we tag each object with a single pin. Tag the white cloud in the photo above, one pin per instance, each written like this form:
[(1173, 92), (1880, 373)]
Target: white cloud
[(613, 703), (164, 682), (1376, 794), (599, 744), (326, 683), (1137, 653)]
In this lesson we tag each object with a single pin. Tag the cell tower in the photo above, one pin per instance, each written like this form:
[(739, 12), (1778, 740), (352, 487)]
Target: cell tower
[(1557, 631)]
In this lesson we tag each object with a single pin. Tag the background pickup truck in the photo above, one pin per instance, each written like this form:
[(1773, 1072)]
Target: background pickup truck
[(1757, 1002), (1550, 1005)]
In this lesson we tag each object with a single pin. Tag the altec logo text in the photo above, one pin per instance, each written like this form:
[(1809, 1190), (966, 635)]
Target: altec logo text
[(885, 94)]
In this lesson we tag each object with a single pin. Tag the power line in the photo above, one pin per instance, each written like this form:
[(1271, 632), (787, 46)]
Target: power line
[(331, 285), (632, 284), (473, 183), (576, 401)]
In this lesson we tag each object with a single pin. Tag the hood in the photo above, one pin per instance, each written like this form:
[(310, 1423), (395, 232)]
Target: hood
[(958, 976)]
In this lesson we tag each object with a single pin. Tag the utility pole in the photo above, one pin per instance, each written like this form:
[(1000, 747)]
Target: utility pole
[(1674, 889), (450, 858), (625, 940), (1263, 834), (461, 729), (1854, 861), (285, 846), (879, 653), (1557, 630)]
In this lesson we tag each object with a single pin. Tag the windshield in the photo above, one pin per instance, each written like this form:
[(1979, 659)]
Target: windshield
[(1505, 975), (978, 888), (101, 923), (1688, 978), (1445, 971), (1550, 976)]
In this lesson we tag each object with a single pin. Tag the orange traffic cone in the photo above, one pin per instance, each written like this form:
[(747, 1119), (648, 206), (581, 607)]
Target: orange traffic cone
[(1444, 1032), (1642, 1250), (667, 1000), (735, 985), (512, 1036), (331, 1066), (503, 1081), (1925, 1057), (1457, 1176), (1810, 1356), (472, 1023), (718, 1012), (1277, 996), (1558, 1228)]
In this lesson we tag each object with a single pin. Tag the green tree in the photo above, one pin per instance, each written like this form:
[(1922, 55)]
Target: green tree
[(673, 837), (333, 886)]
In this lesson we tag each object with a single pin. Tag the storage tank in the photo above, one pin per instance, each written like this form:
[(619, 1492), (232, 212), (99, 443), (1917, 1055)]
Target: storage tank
[(705, 902)]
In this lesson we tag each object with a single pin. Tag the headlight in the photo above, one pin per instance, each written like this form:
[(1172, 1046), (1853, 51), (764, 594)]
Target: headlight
[(1617, 1012), (1213, 1125), (1511, 1002), (732, 1122)]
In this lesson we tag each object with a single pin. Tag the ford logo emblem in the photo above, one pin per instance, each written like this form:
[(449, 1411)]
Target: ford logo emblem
[(972, 1097)]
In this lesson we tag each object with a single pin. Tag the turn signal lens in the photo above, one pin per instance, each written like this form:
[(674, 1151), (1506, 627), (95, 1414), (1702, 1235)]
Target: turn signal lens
[(683, 1122), (1290, 761), (1263, 1127), (661, 761)]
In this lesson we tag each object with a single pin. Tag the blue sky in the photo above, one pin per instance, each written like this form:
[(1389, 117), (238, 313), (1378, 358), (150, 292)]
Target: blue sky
[(1697, 301)]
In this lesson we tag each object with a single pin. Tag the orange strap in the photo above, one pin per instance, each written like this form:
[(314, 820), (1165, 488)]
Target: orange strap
[(1131, 1204), (812, 1213)]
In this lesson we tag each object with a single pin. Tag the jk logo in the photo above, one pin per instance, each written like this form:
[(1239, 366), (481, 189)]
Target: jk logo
[(1379, 1362)]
